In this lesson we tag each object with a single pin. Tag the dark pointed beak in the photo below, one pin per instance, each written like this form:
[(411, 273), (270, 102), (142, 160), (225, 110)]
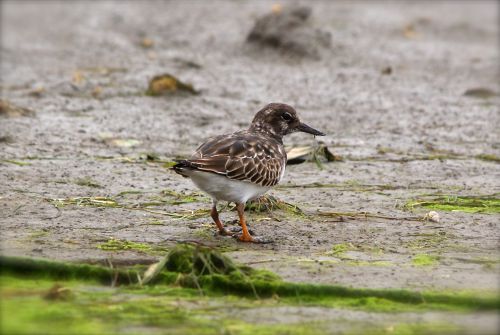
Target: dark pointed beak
[(306, 129)]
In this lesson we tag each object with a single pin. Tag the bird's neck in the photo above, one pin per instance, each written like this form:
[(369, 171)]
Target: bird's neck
[(267, 130)]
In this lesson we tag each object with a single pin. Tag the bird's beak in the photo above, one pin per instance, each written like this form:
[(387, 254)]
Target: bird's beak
[(306, 129)]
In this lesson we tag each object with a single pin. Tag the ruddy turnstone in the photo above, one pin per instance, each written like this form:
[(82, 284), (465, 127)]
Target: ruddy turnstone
[(244, 165)]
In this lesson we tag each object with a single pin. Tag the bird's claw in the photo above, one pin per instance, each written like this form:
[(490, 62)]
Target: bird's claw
[(234, 229), (252, 239), (225, 232)]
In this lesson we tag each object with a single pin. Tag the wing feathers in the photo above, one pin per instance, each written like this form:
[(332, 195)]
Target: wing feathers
[(242, 156)]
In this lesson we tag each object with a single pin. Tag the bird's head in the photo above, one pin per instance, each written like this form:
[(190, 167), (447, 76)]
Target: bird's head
[(279, 120)]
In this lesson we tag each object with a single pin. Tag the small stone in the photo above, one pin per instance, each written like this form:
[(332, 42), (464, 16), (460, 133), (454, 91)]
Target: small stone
[(432, 216), (290, 29)]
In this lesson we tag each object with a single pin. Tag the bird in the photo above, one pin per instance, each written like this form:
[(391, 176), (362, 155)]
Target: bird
[(243, 165)]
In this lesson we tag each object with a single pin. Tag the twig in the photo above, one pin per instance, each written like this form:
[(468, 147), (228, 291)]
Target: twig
[(59, 213), (369, 215)]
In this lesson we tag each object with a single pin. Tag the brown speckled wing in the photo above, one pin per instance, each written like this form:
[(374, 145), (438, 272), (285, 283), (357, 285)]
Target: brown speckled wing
[(242, 156)]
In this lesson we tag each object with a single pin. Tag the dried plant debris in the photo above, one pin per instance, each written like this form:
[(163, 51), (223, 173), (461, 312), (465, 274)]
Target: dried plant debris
[(167, 84), (177, 198), (37, 92), (58, 292), (103, 70), (410, 32), (8, 109), (147, 158), (480, 92), (488, 157), (7, 139), (106, 202), (297, 155), (147, 43), (288, 29), (94, 83), (344, 216), (187, 63), (198, 260), (15, 162), (87, 181), (268, 203), (115, 141), (386, 71), (154, 270), (123, 142)]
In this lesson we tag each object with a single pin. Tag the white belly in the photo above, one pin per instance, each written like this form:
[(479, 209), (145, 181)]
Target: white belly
[(223, 188)]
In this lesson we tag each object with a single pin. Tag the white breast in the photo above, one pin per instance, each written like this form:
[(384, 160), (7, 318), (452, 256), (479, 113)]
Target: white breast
[(223, 188)]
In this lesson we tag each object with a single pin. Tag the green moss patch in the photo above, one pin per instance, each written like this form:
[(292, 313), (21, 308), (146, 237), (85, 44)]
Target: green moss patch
[(87, 181), (341, 249), (425, 260), (167, 311), (434, 240), (489, 158), (194, 290), (206, 270), (117, 245)]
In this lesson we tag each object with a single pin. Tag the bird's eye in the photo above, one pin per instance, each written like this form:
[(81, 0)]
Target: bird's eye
[(287, 116)]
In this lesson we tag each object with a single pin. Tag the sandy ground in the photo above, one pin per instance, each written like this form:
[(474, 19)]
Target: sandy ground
[(81, 67)]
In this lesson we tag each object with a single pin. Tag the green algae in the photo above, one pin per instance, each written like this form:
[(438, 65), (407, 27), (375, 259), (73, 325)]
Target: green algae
[(193, 294), (37, 234), (117, 245), (46, 269), (489, 158), (433, 240), (489, 204), (206, 270), (434, 328), (339, 250), (171, 311), (369, 263), (188, 260), (425, 260), (87, 181), (15, 162), (112, 311)]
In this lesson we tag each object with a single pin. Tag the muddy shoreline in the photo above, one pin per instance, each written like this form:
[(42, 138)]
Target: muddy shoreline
[(404, 135)]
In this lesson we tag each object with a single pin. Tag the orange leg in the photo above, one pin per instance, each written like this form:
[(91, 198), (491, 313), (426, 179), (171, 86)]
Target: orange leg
[(215, 216), (245, 236)]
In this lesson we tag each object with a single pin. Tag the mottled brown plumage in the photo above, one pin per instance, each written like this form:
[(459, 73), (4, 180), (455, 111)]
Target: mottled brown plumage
[(244, 156), (243, 165)]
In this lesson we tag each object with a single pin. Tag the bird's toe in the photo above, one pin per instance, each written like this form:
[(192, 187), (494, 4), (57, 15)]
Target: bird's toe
[(252, 239)]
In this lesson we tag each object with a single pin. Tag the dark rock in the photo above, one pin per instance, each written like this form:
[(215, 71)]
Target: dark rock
[(289, 30)]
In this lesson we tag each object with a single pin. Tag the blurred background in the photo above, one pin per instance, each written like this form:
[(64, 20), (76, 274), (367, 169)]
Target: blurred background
[(99, 97)]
